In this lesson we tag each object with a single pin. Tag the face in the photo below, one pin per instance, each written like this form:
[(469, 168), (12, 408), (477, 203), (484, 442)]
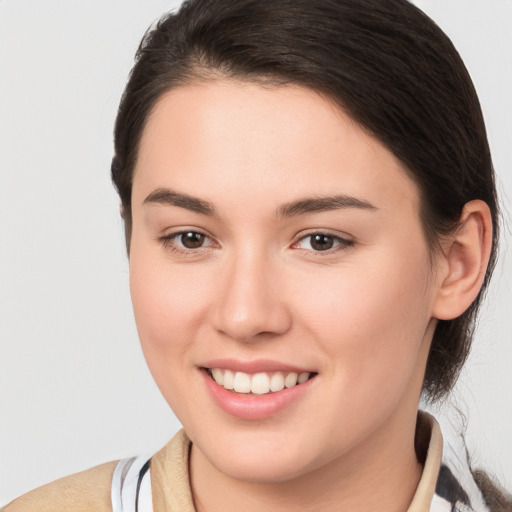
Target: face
[(277, 250)]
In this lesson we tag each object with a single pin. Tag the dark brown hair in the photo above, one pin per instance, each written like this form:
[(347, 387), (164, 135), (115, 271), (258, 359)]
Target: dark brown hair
[(385, 63)]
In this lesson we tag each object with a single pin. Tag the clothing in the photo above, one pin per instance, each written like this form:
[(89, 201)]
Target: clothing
[(161, 484)]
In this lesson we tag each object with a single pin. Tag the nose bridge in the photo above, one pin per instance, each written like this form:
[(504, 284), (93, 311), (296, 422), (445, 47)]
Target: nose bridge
[(249, 301)]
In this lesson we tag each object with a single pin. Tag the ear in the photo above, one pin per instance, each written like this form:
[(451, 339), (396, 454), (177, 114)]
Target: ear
[(463, 262)]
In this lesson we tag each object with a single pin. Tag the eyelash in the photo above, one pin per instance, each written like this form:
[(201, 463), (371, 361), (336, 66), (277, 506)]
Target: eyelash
[(342, 243), (169, 242)]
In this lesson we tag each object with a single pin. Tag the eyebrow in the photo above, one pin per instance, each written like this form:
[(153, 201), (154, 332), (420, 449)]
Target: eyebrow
[(322, 204), (165, 196)]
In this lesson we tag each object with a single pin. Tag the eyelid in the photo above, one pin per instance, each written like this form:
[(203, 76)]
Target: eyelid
[(168, 241), (345, 241)]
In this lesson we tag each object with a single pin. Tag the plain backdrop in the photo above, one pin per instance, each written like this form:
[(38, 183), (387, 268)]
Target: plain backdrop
[(74, 387)]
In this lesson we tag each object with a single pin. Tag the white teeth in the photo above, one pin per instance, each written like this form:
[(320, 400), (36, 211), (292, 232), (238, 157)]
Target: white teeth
[(218, 376), (229, 377), (303, 377), (277, 382), (291, 380), (242, 383), (258, 383)]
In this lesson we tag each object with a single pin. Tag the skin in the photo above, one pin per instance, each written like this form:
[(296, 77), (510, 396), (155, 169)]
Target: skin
[(361, 315)]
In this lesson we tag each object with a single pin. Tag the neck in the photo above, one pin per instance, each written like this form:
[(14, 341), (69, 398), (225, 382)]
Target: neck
[(382, 475)]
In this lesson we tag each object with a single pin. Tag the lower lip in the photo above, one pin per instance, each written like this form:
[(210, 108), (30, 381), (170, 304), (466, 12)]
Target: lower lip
[(253, 407)]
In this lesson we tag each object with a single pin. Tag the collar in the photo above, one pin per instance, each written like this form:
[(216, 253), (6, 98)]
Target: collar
[(422, 499)]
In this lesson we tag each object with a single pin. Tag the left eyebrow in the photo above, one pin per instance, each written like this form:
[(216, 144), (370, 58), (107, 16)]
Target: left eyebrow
[(322, 204)]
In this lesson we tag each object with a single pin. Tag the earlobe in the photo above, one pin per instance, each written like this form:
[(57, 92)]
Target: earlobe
[(465, 258)]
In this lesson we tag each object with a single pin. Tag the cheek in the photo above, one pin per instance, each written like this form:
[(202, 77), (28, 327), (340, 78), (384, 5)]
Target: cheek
[(372, 322), (168, 305)]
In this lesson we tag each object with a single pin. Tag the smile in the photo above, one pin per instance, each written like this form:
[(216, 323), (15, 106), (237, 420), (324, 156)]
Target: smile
[(261, 383)]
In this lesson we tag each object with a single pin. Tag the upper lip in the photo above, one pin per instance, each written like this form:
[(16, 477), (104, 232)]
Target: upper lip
[(254, 366)]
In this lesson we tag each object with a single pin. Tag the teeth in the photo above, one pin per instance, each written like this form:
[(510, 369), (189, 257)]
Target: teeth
[(277, 382), (291, 380), (303, 377), (228, 379), (242, 383), (258, 383), (218, 375)]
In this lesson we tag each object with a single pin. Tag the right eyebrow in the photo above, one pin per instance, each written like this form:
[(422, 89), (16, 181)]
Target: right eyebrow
[(166, 196)]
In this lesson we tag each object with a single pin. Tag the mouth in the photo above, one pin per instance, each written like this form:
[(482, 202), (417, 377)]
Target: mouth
[(261, 383)]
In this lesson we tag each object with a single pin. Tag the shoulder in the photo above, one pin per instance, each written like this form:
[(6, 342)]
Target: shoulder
[(88, 490)]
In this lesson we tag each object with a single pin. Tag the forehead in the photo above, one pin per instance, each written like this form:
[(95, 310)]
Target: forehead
[(231, 139)]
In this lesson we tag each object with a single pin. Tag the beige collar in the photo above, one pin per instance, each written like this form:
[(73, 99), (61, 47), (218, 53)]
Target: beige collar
[(171, 489), (170, 482), (427, 485)]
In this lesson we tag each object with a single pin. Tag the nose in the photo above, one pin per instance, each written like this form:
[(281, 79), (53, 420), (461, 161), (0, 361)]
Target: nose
[(251, 302)]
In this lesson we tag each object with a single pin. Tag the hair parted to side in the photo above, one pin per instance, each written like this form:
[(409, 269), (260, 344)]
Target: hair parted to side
[(384, 63)]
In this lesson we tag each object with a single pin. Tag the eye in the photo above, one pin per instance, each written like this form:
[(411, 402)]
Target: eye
[(191, 239), (186, 241), (321, 242)]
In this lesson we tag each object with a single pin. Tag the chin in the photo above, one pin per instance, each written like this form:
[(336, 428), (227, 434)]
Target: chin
[(265, 470), (261, 456)]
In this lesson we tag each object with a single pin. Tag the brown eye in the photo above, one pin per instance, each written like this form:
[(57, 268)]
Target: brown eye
[(321, 242), (192, 239)]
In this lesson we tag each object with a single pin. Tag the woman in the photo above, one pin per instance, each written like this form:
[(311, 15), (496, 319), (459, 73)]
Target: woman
[(311, 219)]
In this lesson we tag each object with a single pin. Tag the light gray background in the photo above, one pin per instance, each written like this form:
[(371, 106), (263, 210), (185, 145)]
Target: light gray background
[(74, 388)]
